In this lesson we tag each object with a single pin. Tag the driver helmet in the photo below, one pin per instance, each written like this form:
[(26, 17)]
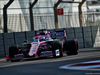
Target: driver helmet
[(42, 38)]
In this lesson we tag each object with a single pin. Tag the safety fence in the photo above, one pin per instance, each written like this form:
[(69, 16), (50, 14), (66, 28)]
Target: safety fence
[(87, 37), (21, 22)]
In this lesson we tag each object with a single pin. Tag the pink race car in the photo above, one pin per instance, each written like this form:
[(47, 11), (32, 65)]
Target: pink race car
[(44, 44)]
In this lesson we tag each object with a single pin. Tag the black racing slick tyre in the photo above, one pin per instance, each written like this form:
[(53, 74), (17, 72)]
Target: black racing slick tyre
[(57, 49), (13, 50), (71, 47)]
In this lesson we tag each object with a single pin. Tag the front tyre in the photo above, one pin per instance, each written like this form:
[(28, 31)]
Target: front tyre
[(57, 49)]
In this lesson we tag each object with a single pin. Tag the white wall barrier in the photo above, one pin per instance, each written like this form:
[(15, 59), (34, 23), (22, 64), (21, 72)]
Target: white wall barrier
[(2, 51), (8, 41), (79, 37)]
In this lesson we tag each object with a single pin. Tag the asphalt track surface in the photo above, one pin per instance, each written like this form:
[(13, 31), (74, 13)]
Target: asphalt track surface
[(50, 65)]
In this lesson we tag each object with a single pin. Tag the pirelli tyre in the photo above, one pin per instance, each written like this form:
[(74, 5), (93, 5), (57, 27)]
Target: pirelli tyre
[(57, 49), (13, 50), (71, 47)]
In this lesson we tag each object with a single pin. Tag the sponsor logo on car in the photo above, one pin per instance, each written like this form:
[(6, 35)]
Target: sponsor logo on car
[(46, 53)]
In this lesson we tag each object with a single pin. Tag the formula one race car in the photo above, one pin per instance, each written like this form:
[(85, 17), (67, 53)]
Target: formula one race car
[(44, 44)]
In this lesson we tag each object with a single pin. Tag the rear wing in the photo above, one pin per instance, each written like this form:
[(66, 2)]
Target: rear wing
[(59, 34)]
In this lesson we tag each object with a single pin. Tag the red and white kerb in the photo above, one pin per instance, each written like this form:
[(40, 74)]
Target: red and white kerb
[(91, 65)]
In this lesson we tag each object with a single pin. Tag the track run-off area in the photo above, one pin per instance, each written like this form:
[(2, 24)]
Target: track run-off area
[(53, 66)]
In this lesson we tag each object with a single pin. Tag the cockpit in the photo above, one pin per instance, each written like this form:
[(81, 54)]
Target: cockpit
[(41, 38)]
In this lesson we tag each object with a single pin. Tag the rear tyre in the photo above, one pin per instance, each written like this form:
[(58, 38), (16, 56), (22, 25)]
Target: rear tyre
[(13, 50), (57, 49), (71, 47)]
